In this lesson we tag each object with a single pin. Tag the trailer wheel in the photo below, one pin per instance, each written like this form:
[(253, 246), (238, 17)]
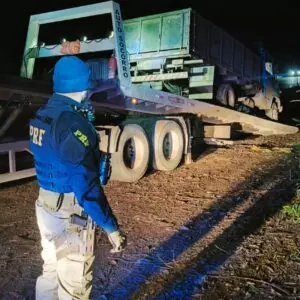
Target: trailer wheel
[(168, 144), (226, 95), (130, 163)]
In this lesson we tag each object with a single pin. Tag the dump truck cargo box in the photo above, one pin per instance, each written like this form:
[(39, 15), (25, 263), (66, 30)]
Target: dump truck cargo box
[(185, 33)]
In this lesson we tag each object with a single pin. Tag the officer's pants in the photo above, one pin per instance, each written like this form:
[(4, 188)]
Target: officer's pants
[(68, 249)]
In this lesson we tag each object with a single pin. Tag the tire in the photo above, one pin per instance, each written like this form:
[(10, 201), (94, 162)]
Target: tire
[(168, 145), (273, 112), (131, 161), (226, 95)]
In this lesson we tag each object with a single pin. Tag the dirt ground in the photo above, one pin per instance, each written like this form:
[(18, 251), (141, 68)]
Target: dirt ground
[(215, 229)]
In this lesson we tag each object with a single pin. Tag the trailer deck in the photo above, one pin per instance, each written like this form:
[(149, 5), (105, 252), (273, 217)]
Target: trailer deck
[(119, 95), (115, 100)]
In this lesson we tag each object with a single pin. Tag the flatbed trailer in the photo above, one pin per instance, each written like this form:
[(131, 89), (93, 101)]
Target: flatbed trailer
[(141, 127)]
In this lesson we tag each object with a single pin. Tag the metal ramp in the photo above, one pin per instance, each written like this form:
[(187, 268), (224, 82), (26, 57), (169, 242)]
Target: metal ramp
[(149, 101), (219, 115)]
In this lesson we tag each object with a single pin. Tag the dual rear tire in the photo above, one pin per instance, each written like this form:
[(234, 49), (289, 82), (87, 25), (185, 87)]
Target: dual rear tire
[(135, 153)]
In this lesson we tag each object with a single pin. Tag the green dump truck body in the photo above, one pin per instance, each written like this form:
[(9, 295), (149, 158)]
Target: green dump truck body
[(164, 34), (184, 33)]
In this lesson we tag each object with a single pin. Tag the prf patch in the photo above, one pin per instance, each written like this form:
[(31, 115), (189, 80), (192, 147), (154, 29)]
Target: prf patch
[(37, 135), (82, 137)]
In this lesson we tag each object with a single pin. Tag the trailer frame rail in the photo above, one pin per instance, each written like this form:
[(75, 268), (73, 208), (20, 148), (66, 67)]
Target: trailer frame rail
[(13, 174)]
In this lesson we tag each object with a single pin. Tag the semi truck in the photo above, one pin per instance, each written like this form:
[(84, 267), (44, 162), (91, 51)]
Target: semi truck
[(185, 54), (140, 126)]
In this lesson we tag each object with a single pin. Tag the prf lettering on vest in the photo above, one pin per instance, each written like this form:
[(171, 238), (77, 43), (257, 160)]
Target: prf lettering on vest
[(82, 137), (37, 135)]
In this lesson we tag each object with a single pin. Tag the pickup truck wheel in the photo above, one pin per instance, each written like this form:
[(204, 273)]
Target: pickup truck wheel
[(168, 144), (273, 112), (130, 163), (226, 95)]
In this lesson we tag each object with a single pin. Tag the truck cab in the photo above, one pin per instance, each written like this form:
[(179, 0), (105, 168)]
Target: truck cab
[(264, 94)]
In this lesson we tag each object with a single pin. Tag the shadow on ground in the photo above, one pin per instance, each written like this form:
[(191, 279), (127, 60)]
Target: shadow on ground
[(148, 278)]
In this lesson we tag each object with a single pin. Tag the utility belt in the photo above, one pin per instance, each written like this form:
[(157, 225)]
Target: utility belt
[(54, 202), (79, 234)]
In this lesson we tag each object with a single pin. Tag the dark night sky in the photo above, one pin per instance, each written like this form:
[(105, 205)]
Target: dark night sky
[(249, 21)]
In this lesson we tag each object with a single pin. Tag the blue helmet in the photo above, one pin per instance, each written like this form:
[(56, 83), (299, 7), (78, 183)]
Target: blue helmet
[(71, 75)]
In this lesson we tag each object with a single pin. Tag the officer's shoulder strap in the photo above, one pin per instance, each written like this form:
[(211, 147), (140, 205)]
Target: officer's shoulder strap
[(44, 119), (65, 121)]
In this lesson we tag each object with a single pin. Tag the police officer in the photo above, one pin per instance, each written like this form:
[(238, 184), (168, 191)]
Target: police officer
[(71, 200)]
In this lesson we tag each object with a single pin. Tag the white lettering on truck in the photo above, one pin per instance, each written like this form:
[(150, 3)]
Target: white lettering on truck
[(122, 45)]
